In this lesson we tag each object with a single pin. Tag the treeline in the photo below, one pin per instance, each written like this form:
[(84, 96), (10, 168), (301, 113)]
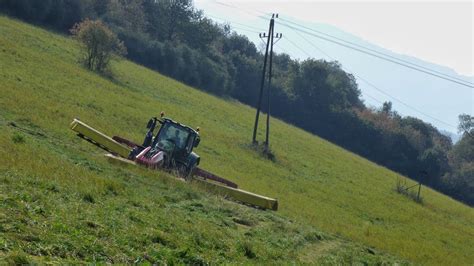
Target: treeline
[(171, 36)]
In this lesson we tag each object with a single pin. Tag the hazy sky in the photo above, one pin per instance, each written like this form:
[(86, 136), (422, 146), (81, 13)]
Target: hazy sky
[(437, 32)]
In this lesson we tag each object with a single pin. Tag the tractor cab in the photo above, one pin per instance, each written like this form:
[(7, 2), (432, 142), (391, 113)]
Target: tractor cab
[(176, 137), (176, 142)]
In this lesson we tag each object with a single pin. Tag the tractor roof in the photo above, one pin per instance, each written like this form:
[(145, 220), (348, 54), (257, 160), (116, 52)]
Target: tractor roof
[(181, 125)]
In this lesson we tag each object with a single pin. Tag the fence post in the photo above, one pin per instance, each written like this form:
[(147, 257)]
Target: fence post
[(419, 188)]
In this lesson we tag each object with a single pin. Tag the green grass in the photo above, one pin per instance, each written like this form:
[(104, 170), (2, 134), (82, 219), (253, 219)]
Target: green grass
[(61, 200)]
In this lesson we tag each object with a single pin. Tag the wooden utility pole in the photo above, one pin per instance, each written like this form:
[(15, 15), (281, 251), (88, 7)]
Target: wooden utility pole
[(270, 42), (259, 102)]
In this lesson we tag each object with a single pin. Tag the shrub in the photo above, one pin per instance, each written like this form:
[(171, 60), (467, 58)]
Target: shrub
[(99, 44), (18, 138)]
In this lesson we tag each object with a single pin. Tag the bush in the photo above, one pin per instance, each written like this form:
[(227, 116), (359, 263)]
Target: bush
[(18, 138), (99, 44)]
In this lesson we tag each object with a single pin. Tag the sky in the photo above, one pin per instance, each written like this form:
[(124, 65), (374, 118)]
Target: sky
[(435, 32)]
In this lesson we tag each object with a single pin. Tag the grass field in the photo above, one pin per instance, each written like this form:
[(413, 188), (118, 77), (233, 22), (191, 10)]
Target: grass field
[(60, 199)]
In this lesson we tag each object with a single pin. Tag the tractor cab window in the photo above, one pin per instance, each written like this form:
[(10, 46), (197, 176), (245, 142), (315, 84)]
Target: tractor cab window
[(173, 133), (179, 138)]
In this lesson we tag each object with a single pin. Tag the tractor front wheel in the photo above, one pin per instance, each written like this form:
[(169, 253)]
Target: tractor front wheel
[(185, 172)]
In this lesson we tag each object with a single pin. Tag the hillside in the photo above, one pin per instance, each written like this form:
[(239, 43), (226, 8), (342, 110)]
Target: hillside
[(61, 200)]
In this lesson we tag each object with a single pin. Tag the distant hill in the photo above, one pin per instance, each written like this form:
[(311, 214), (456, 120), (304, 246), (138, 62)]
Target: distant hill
[(63, 202)]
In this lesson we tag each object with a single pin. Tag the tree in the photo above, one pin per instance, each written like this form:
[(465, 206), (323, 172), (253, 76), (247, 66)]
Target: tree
[(179, 14), (462, 154), (99, 44), (466, 124), (387, 108), (125, 15)]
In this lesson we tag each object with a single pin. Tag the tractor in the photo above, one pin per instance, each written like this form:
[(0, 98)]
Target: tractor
[(171, 148)]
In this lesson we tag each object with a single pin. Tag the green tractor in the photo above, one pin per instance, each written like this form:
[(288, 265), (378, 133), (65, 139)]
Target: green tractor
[(171, 148)]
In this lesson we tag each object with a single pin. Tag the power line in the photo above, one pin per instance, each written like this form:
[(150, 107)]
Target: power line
[(371, 52), (297, 46), (332, 58), (283, 49), (375, 55), (237, 23), (375, 87), (248, 11), (373, 98), (234, 27), (308, 55), (375, 51), (403, 103)]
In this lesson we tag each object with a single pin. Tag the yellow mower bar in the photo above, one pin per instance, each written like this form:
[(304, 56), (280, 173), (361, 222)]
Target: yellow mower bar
[(99, 139), (240, 195)]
